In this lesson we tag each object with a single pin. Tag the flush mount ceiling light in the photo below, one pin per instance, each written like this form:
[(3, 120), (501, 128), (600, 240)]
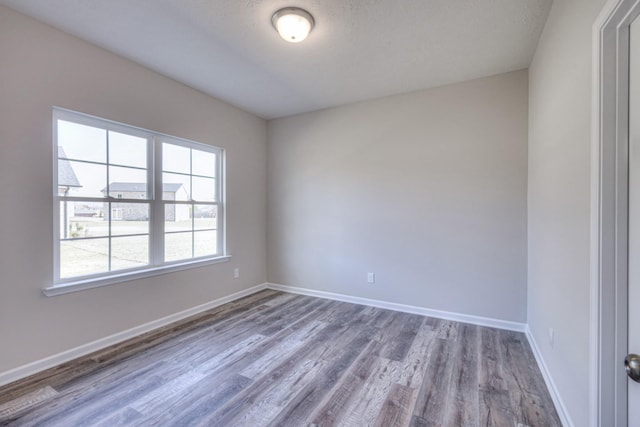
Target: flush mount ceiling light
[(293, 24)]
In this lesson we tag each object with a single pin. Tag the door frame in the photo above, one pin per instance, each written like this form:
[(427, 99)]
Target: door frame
[(609, 217)]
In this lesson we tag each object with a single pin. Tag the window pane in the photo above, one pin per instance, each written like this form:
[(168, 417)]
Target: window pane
[(83, 257), (177, 217), (65, 212), (127, 150), (82, 219), (205, 217), (81, 142), (63, 225), (176, 187), (176, 158), (204, 189), (91, 227), (127, 183), (204, 243), (129, 218), (89, 211), (204, 163), (178, 246), (129, 252), (110, 175), (81, 179)]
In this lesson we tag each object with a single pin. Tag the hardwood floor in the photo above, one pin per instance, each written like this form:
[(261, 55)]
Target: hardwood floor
[(277, 359)]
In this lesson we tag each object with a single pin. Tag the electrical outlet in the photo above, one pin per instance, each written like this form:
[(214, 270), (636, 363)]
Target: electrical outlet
[(236, 273), (371, 278), (552, 337)]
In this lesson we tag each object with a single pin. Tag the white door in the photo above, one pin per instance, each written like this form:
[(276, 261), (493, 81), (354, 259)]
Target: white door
[(634, 223)]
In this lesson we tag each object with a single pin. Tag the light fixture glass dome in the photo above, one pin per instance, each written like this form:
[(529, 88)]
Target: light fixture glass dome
[(293, 24)]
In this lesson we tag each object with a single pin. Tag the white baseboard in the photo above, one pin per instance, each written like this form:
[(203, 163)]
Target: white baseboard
[(563, 413), (446, 315), (66, 356), (465, 318)]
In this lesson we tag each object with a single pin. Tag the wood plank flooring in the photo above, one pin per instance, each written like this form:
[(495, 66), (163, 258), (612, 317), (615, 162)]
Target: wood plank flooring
[(278, 359)]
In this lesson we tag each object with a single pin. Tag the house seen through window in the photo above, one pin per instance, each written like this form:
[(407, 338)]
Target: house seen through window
[(129, 199)]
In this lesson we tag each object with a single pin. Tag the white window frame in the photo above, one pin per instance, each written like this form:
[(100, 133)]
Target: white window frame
[(155, 201)]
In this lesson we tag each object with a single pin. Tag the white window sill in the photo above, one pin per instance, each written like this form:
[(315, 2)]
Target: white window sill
[(81, 285)]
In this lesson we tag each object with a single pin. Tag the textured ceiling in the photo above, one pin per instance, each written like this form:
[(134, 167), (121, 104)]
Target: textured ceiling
[(358, 50)]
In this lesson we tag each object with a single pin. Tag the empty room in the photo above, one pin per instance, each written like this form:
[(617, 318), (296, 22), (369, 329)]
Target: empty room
[(319, 213)]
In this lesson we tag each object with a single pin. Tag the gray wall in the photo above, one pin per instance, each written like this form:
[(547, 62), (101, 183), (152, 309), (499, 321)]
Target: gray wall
[(427, 190), (41, 67), (559, 197)]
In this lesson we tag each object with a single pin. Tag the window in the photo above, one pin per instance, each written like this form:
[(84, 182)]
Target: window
[(128, 200)]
